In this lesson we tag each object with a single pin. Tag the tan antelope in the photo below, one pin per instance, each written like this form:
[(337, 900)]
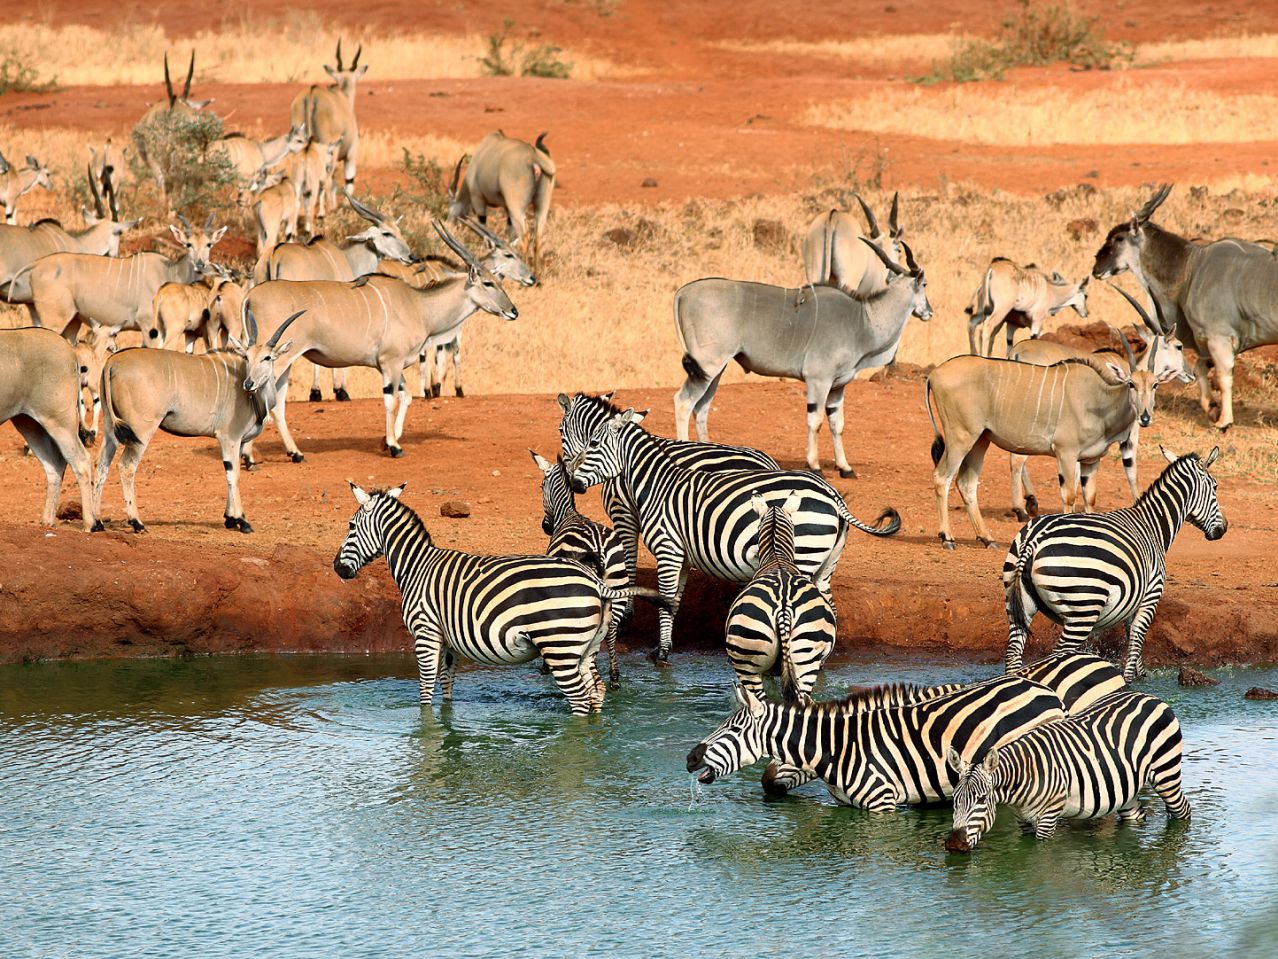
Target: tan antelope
[(376, 321), (15, 183), (248, 156), (1016, 297), (91, 354), (72, 289), (174, 105), (226, 394), (310, 171), (40, 393), (274, 201), (834, 256), (511, 175), (207, 310), (109, 168), (1074, 411), (328, 113)]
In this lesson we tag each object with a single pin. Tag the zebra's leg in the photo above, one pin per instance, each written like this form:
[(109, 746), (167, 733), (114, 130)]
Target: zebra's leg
[(572, 675), (1165, 778), (614, 627), (1079, 625), (1087, 479), (672, 576), (1045, 828), (448, 672), (834, 416), (427, 647), (1135, 667), (1020, 479), (316, 395), (969, 476), (816, 393), (1128, 448), (1133, 812)]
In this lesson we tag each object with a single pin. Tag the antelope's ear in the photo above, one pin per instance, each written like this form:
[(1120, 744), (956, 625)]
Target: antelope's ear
[(792, 504), (1211, 457), (178, 233), (542, 463), (1168, 455), (329, 70), (361, 71), (1120, 373), (217, 235), (760, 505), (563, 401), (955, 761), (361, 497), (281, 350), (751, 703), (990, 764), (396, 491)]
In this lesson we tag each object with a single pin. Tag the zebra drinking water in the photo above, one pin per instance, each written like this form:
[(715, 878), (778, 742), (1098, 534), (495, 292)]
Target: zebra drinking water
[(1080, 767), (1092, 571), (703, 520), (495, 610)]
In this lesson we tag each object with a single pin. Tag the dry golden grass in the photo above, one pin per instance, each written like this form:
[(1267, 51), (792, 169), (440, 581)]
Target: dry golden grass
[(1242, 46), (385, 149), (1006, 115), (911, 48)]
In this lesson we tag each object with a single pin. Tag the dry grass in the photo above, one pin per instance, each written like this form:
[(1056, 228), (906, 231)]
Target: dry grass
[(1242, 46), (1016, 116), (911, 48)]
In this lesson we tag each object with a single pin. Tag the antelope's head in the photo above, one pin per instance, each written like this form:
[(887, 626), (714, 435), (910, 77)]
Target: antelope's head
[(345, 77), (1076, 298), (261, 377), (1124, 243), (458, 200), (182, 102), (912, 273), (297, 139), (975, 801), (198, 243), (889, 242), (501, 259), (484, 288), (38, 173), (1141, 379), (383, 233), (737, 743)]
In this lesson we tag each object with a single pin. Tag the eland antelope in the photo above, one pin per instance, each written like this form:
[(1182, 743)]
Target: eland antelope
[(511, 175), (328, 114), (816, 334), (15, 183), (274, 202), (185, 312), (91, 353), (110, 167), (1018, 297), (249, 156), (174, 105), (832, 255)]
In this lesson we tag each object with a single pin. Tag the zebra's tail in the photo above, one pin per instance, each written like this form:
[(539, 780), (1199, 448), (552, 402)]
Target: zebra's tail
[(887, 523), (785, 654), (938, 443), (1016, 592), (635, 592)]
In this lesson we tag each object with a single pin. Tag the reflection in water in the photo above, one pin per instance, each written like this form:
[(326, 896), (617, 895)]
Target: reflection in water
[(307, 806)]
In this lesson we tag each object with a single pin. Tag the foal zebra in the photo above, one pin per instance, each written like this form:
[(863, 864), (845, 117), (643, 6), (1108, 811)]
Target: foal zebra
[(877, 759), (780, 619), (578, 537), (704, 520), (496, 610), (1090, 572), (1080, 767)]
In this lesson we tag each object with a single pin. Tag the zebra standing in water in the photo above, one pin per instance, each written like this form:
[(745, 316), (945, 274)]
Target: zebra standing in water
[(496, 610), (877, 759), (581, 538), (1092, 571), (703, 520), (1080, 767), (780, 619)]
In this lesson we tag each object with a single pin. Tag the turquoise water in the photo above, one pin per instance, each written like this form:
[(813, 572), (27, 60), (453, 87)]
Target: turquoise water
[(296, 807)]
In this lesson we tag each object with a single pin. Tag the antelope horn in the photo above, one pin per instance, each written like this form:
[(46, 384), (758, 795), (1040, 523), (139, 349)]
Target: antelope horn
[(339, 53), (1154, 202), (4, 164), (190, 72), (895, 268), (168, 82), (358, 51), (1153, 352), (451, 241), (1150, 324), (484, 232), (108, 187), (452, 190), (909, 259), (97, 197), (892, 227), (1127, 348), (208, 223), (275, 337), (869, 215), (249, 322), (185, 223), (368, 213)]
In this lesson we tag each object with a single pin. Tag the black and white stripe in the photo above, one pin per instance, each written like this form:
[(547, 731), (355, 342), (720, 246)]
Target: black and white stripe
[(1080, 767), (877, 759), (495, 610), (1091, 572), (696, 519)]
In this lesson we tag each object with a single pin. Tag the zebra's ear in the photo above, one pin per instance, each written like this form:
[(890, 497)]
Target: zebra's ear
[(396, 491), (990, 764), (1211, 457), (360, 496), (954, 760), (792, 504), (564, 401), (751, 702), (607, 397), (1168, 455), (760, 505), (636, 416), (542, 464), (738, 693)]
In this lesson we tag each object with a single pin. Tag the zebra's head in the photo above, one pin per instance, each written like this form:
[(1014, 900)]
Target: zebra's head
[(1202, 508), (582, 416), (737, 743), (366, 540), (776, 526), (556, 497), (601, 459), (974, 800)]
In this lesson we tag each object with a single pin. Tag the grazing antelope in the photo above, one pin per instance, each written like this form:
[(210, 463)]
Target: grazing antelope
[(816, 334), (184, 313), (833, 255), (71, 289), (1018, 297), (328, 113), (511, 175), (174, 105), (40, 393), (226, 394), (376, 321), (17, 183), (274, 201), (249, 156)]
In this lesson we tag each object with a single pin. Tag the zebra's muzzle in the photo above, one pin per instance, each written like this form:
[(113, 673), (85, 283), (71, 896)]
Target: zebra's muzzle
[(957, 842), (343, 570), (697, 760), (1216, 532), (578, 486)]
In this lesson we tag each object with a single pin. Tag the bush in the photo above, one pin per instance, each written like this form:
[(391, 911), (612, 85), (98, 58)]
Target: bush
[(1037, 36), (507, 57), (18, 76), (196, 183), (429, 178)]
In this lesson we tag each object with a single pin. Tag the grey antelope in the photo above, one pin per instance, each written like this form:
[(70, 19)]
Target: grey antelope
[(578, 537), (819, 335), (69, 290), (493, 610), (328, 114), (1018, 297), (226, 394), (379, 322), (174, 106), (1089, 573), (16, 183), (1074, 411), (1221, 298), (876, 758), (834, 256), (511, 175), (40, 394), (1162, 353), (697, 519), (185, 312), (274, 202), (109, 168), (91, 353), (1086, 766), (248, 156), (780, 621), (1079, 682), (582, 418)]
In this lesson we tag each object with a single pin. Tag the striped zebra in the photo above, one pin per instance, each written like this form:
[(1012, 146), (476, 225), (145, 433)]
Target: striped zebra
[(1079, 682), (705, 520), (495, 610), (579, 537), (876, 759), (780, 620), (1081, 767), (583, 416), (1090, 572)]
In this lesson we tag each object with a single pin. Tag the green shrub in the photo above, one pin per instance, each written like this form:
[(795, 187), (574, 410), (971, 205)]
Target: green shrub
[(430, 181), (196, 182), (507, 57)]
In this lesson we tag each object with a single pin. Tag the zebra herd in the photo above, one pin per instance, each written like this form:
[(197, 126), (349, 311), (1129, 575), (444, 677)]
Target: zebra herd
[(1066, 737)]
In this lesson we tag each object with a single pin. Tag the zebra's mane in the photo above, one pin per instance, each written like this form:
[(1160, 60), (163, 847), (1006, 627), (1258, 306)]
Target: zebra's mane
[(1165, 477), (414, 520), (600, 402), (867, 698)]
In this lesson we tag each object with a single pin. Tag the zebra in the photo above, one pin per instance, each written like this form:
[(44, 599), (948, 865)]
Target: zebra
[(1081, 767), (780, 619), (495, 610), (1079, 682), (583, 415), (703, 520), (876, 759), (581, 538), (1090, 572)]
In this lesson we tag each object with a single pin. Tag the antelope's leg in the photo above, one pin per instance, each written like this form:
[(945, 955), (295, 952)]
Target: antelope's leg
[(441, 369), (694, 398), (390, 380), (1087, 477), (130, 456), (316, 395), (1128, 447), (994, 322), (1067, 478), (423, 374), (52, 462), (1202, 373), (456, 352), (974, 325), (71, 451), (234, 513), (280, 412), (1020, 478), (969, 476), (834, 414), (816, 393), (105, 455), (1222, 356), (956, 447), (405, 400)]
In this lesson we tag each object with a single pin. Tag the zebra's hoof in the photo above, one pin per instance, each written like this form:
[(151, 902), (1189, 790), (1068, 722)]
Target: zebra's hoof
[(97, 526), (316, 396), (614, 683), (1021, 515), (460, 392), (341, 395), (395, 451), (661, 657), (848, 473), (297, 457), (543, 668), (137, 526)]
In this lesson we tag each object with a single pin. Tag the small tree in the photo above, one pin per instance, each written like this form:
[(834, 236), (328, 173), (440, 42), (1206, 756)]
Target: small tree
[(194, 179)]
